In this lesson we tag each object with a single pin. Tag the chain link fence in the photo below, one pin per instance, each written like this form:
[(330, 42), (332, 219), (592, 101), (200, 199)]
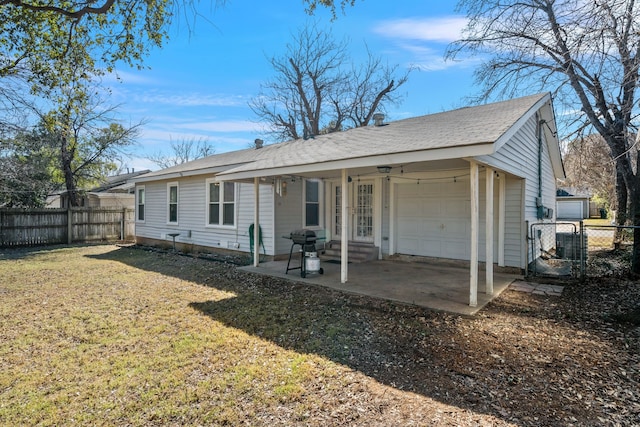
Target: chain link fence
[(578, 250)]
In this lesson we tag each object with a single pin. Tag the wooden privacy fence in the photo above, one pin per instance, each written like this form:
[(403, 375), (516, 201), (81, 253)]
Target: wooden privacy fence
[(30, 227)]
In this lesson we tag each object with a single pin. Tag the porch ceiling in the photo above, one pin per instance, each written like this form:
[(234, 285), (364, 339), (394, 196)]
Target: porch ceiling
[(397, 170), (436, 286)]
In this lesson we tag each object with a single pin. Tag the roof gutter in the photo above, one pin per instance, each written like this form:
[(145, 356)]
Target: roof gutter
[(360, 162), (181, 174)]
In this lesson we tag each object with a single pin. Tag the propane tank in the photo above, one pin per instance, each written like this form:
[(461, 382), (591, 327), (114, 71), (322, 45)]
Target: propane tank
[(312, 262)]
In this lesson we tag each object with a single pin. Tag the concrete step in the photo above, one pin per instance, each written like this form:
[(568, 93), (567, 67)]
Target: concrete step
[(358, 252)]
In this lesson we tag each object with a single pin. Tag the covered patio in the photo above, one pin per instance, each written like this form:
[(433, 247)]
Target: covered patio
[(436, 286), (458, 185)]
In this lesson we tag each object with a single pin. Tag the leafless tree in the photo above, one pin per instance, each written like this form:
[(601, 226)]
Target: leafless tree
[(329, 4), (317, 90), (182, 151), (585, 52), (589, 168)]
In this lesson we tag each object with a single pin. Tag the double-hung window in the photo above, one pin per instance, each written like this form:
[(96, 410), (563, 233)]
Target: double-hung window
[(140, 203), (221, 203), (312, 203), (172, 206)]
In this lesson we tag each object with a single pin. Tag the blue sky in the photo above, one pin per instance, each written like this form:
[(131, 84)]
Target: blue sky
[(199, 84)]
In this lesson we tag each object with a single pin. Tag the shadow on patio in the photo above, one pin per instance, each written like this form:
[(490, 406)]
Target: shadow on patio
[(436, 286)]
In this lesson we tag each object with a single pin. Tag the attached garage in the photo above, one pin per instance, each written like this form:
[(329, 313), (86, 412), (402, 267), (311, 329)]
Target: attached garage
[(433, 219)]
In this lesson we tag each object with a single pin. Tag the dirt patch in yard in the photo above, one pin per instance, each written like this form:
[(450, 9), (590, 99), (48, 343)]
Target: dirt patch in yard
[(263, 351)]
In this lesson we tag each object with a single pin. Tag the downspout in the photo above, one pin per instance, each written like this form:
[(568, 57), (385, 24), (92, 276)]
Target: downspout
[(539, 207)]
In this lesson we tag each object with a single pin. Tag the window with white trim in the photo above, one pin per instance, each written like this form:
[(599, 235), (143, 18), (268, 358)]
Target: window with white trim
[(172, 205), (221, 203), (140, 201), (311, 203)]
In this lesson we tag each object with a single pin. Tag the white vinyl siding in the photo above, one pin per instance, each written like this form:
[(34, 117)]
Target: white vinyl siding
[(519, 157), (193, 216), (245, 215), (514, 232), (288, 215)]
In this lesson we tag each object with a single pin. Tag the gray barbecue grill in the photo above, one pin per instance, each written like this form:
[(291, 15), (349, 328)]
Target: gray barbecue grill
[(309, 261)]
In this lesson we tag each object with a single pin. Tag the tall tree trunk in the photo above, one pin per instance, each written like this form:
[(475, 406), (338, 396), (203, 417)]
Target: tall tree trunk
[(634, 193), (65, 159), (627, 191), (622, 201), (621, 196)]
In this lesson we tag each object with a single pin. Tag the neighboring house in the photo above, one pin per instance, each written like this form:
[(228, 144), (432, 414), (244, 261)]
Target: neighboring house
[(417, 186), (572, 204), (116, 191)]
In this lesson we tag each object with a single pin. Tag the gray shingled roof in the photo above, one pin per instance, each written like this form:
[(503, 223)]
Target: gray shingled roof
[(464, 127)]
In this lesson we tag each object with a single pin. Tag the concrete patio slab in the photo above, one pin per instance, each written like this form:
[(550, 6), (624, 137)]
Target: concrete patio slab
[(439, 287), (537, 288)]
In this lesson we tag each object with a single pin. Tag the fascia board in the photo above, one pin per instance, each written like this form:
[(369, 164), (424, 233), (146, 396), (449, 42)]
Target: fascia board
[(387, 159), (181, 174)]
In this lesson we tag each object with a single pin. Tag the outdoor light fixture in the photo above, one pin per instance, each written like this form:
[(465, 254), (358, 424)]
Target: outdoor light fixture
[(384, 169)]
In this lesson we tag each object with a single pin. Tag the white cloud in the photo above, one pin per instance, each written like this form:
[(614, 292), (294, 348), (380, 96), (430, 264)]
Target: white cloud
[(140, 163), (181, 100), (424, 40), (125, 77), (180, 124), (426, 58), (443, 30), (192, 100), (225, 135), (221, 126)]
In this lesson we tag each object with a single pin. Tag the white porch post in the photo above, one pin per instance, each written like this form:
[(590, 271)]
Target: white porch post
[(489, 231), (344, 238), (502, 193), (475, 219), (256, 222)]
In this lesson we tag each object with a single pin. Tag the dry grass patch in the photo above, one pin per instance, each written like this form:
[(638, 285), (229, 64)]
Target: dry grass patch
[(102, 335)]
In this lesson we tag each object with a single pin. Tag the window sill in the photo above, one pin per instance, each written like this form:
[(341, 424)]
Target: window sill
[(220, 227)]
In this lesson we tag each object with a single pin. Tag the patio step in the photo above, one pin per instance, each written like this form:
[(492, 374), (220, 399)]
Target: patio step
[(358, 251)]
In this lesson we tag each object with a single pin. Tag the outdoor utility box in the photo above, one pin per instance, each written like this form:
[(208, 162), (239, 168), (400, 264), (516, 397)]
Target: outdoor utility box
[(568, 245)]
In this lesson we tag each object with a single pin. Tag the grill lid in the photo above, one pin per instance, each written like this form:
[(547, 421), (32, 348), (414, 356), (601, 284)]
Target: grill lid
[(303, 236)]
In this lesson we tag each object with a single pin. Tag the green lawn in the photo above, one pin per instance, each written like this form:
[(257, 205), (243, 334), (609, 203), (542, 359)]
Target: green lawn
[(96, 336), (103, 335)]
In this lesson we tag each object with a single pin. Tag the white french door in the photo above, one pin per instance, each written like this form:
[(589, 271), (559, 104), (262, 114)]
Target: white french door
[(361, 212)]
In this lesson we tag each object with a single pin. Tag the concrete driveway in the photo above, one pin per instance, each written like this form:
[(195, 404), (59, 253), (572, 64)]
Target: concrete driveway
[(435, 286)]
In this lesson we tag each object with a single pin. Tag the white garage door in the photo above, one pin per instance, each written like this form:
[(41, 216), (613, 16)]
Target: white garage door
[(433, 219), (569, 209)]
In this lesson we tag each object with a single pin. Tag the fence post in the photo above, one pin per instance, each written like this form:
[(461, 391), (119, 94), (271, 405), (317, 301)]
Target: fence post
[(122, 223), (69, 225)]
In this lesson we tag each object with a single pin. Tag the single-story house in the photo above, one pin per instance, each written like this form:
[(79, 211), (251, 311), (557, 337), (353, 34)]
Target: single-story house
[(461, 184), (571, 204)]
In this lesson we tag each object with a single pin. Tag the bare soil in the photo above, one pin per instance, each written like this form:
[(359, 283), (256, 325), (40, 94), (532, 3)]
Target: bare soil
[(524, 360)]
